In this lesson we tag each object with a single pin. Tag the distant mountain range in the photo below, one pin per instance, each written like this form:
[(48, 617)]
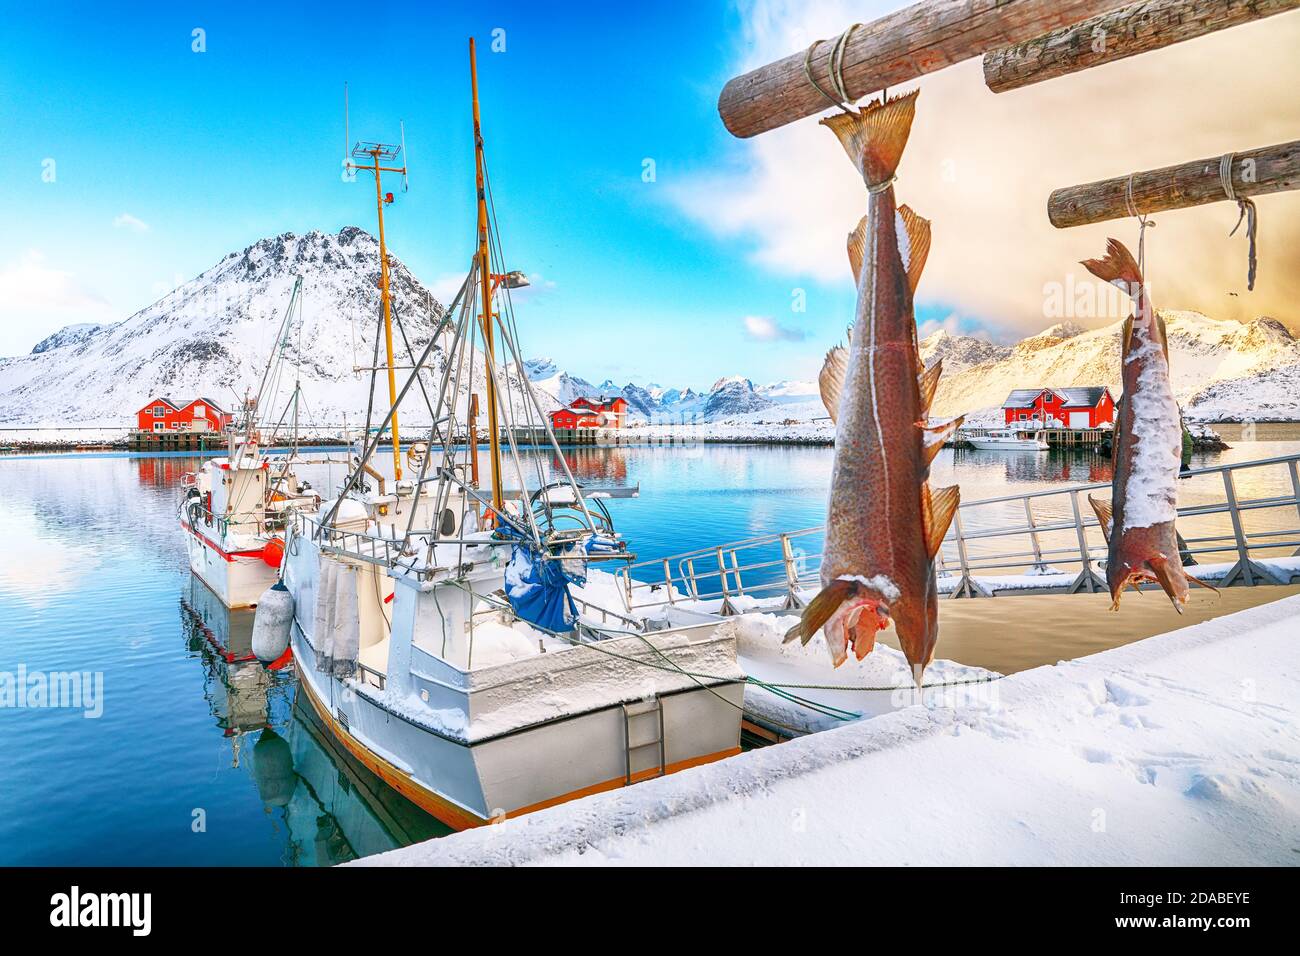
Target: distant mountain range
[(211, 336), (1222, 370)]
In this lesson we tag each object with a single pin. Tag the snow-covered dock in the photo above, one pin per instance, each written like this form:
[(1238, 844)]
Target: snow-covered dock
[(1179, 749)]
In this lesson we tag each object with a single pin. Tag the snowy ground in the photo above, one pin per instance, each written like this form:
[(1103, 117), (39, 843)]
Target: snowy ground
[(1182, 749)]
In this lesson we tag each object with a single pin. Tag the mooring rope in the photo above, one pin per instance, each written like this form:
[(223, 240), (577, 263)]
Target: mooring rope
[(1246, 211)]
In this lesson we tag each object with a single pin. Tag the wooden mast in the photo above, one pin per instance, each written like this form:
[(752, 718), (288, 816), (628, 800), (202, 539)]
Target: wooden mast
[(485, 293), (1138, 28), (902, 46), (385, 297), (1254, 172)]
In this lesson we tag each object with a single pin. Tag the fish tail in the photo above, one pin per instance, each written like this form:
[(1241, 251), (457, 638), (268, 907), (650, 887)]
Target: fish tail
[(874, 137), (1117, 266)]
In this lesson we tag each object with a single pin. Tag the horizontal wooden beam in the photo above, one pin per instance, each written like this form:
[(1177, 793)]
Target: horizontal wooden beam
[(902, 46), (1138, 28), (1255, 172)]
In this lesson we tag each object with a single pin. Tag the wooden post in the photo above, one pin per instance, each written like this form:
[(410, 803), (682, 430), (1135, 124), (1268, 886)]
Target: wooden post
[(1255, 172), (1138, 28), (902, 46)]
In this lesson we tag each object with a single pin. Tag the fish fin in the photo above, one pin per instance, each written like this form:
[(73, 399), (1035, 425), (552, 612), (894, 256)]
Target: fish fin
[(874, 136), (935, 436), (820, 609), (858, 248), (937, 509), (918, 241), (1201, 583), (831, 379), (1117, 266), (1104, 515), (928, 383), (1170, 576)]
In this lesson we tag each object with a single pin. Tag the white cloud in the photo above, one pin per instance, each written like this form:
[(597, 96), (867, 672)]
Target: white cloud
[(981, 166), (36, 299), (128, 221), (444, 288), (763, 329)]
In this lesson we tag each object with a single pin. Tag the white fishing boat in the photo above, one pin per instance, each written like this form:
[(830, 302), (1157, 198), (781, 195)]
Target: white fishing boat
[(430, 614), (1007, 439), (233, 510)]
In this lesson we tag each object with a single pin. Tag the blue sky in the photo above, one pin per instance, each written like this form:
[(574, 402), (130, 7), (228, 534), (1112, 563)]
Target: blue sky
[(165, 159)]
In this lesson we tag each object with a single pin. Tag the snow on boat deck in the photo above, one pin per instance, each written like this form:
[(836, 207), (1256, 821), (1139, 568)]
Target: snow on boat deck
[(1180, 749)]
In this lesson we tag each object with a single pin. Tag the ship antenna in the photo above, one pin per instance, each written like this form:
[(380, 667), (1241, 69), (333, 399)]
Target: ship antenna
[(369, 156)]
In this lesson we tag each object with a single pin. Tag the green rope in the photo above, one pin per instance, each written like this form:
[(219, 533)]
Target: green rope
[(778, 690)]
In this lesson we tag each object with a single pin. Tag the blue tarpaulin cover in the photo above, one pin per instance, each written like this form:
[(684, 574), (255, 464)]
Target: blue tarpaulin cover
[(538, 588)]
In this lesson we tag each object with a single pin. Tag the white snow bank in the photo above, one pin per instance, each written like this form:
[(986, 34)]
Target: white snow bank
[(805, 672), (1182, 749)]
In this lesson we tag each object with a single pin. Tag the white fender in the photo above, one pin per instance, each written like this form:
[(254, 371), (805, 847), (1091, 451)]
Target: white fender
[(271, 623)]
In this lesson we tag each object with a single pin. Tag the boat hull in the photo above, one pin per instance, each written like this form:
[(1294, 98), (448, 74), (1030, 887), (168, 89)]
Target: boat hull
[(466, 785), (985, 445), (237, 578)]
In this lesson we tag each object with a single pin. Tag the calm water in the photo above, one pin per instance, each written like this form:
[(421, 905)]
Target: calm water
[(201, 760)]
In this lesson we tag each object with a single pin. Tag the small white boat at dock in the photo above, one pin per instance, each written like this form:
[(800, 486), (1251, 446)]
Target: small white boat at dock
[(233, 510), (1007, 439)]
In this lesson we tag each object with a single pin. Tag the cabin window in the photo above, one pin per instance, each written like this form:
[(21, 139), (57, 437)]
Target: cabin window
[(1024, 417), (158, 426), (159, 411), (199, 411)]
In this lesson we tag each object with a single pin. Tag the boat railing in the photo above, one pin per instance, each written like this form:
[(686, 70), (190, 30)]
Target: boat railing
[(1236, 519), (358, 545)]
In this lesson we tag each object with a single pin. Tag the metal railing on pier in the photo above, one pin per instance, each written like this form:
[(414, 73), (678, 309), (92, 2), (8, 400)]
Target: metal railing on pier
[(1240, 523)]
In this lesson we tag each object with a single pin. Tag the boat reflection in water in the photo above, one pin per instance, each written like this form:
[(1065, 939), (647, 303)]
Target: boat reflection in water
[(326, 807), (241, 693)]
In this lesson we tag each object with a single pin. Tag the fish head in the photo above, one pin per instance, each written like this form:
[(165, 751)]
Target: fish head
[(1158, 569), (855, 623)]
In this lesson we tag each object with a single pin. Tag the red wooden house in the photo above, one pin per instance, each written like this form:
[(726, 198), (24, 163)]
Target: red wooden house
[(1088, 407), (589, 413), (197, 415)]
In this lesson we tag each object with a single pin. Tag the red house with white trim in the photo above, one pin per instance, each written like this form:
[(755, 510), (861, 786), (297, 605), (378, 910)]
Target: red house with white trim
[(197, 415), (1087, 407), (589, 413)]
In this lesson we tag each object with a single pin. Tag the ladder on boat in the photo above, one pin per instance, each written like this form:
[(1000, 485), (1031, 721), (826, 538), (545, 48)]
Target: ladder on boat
[(643, 728)]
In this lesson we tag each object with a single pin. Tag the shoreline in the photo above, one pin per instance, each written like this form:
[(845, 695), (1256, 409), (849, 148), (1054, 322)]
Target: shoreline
[(27, 440)]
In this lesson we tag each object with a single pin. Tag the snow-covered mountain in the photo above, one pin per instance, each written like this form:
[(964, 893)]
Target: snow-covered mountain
[(212, 337), (959, 352), (1221, 369)]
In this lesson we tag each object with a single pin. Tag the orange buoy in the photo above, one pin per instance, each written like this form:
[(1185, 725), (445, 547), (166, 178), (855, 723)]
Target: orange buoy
[(273, 552)]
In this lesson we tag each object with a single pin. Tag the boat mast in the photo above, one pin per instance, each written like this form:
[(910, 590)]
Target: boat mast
[(374, 153), (485, 292)]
